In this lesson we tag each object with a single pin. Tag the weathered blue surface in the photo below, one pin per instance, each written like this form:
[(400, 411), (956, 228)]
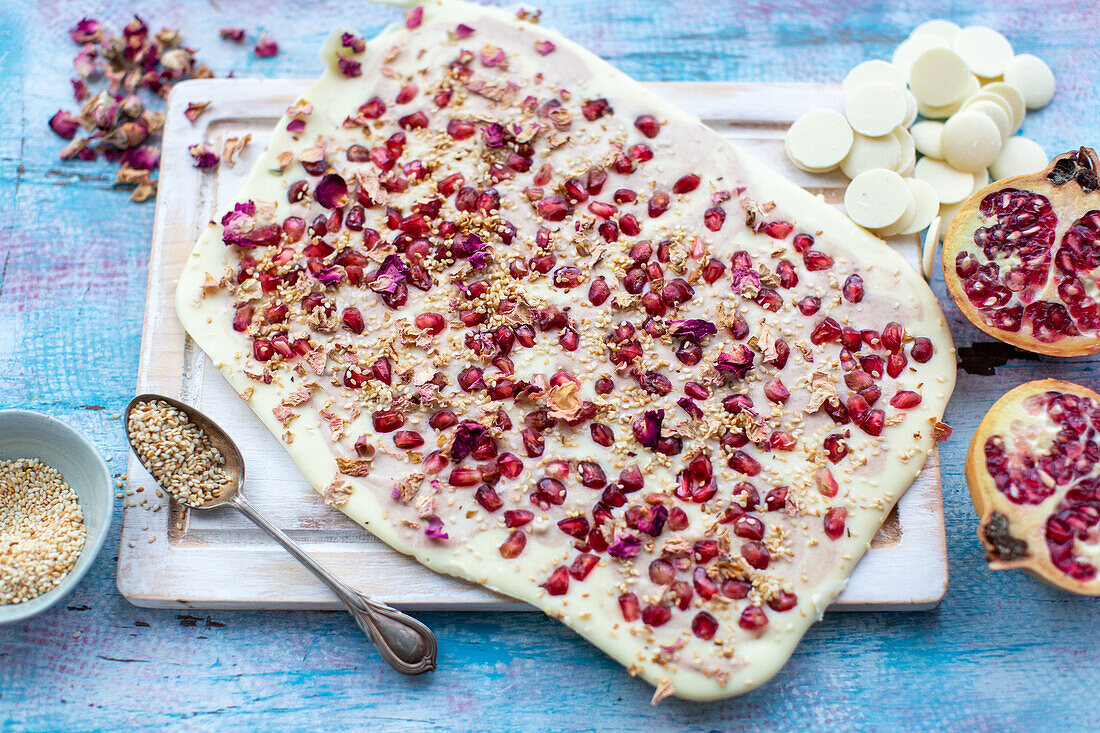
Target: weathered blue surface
[(1002, 652)]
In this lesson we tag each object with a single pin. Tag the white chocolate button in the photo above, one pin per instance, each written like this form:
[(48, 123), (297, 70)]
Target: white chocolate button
[(910, 109), (926, 137), (877, 198), (1033, 78), (908, 152), (819, 140), (904, 222), (970, 141), (927, 205), (928, 248), (939, 77), (941, 113), (996, 113), (948, 212), (951, 185), (1012, 97), (985, 51), (870, 72), (945, 29), (908, 51), (875, 109), (1019, 155), (981, 180), (871, 152)]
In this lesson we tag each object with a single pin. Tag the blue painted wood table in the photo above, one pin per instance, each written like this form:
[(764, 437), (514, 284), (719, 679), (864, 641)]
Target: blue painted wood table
[(1001, 652)]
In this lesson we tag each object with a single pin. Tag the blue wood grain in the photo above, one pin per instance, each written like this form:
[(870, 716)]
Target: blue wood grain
[(1002, 651)]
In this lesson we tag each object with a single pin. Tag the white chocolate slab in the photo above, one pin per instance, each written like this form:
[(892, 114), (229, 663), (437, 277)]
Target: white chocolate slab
[(690, 671)]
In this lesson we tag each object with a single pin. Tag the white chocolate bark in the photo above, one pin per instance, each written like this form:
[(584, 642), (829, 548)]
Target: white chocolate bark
[(399, 504)]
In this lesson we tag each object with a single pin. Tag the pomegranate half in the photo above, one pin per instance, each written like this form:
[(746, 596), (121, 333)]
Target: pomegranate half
[(1022, 258), (1034, 477)]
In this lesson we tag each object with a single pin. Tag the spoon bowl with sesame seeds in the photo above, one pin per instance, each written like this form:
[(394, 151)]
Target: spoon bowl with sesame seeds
[(200, 466)]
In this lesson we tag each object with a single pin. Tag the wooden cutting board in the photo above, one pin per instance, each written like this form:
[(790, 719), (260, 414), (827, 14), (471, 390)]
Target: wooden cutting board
[(173, 557)]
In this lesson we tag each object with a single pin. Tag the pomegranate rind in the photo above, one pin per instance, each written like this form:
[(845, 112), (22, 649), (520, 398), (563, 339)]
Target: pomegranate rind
[(1018, 523), (1070, 202)]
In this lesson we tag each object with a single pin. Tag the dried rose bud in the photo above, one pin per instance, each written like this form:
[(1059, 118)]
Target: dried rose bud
[(126, 136), (145, 157), (267, 47), (353, 42), (77, 149), (232, 34), (349, 68), (64, 124), (131, 106), (205, 158), (88, 30)]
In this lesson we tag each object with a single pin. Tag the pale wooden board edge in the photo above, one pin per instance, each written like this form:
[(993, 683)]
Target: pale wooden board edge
[(910, 574)]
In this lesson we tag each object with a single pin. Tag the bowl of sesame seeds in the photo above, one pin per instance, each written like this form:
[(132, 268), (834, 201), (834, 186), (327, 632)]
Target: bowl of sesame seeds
[(56, 502)]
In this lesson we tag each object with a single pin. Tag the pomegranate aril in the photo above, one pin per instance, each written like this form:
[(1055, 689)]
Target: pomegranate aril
[(654, 615), (921, 350), (905, 400), (407, 439), (631, 609), (386, 421), (834, 522), (704, 625), (783, 601), (756, 554), (753, 618), (815, 261), (853, 289), (892, 334), (488, 498), (513, 545)]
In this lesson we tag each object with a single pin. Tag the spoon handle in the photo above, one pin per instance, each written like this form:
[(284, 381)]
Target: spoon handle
[(406, 644)]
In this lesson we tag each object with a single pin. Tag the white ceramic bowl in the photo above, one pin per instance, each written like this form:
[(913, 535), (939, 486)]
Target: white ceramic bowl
[(26, 434)]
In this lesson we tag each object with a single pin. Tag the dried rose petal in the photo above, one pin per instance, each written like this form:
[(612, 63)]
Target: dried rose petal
[(267, 47), (466, 436), (232, 34), (695, 329), (205, 158), (330, 275), (349, 68), (194, 109), (737, 360), (77, 149), (647, 428), (544, 47), (492, 55), (625, 547), (64, 124), (295, 126), (353, 42), (414, 18), (651, 520), (390, 274), (239, 228), (494, 135), (85, 61), (87, 30), (463, 31), (435, 529), (692, 409), (80, 90), (331, 191)]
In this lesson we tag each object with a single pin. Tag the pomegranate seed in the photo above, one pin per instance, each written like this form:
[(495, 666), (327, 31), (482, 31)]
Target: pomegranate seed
[(704, 586), (434, 463), (574, 526), (407, 439), (816, 261), (744, 463), (748, 527), (432, 323), (827, 330), (704, 625), (656, 615), (834, 522), (624, 196), (464, 477), (853, 289), (783, 601), (809, 305), (517, 517), (686, 184), (892, 334), (753, 618), (777, 229), (648, 125), (905, 400), (661, 572), (386, 421), (488, 498), (825, 482), (895, 364), (921, 350), (658, 204), (776, 391), (513, 545), (628, 603), (756, 554)]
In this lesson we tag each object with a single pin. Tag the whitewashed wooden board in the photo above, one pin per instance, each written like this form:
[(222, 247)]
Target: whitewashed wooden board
[(176, 558)]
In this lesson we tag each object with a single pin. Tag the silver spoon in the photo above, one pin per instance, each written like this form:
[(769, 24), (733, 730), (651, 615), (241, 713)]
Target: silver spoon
[(406, 644)]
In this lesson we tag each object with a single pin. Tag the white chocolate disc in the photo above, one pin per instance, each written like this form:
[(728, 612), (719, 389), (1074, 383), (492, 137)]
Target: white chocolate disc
[(926, 137), (908, 152), (1032, 78), (942, 113), (970, 141), (904, 222), (870, 72), (875, 109), (928, 248), (927, 205), (1019, 155), (908, 51), (1010, 96), (951, 185), (869, 153), (996, 113), (939, 77), (944, 29), (819, 140), (981, 180), (877, 198), (985, 51), (910, 109)]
